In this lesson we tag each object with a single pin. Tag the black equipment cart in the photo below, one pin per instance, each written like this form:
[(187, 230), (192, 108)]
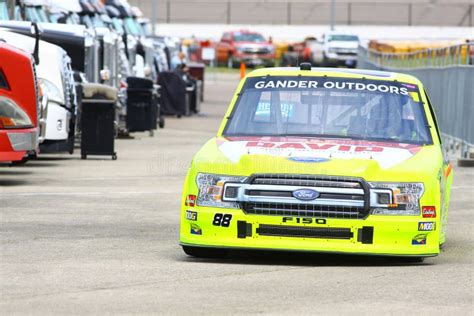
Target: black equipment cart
[(98, 121)]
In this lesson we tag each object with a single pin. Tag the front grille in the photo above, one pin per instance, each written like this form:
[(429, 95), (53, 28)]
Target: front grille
[(347, 53), (304, 232), (274, 194), (258, 51), (304, 210)]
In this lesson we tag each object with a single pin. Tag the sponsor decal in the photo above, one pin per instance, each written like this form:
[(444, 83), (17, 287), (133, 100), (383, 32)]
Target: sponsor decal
[(196, 230), (337, 85), (191, 216), (303, 220), (426, 226), (386, 155), (419, 240), (428, 212), (306, 194), (308, 159), (190, 200)]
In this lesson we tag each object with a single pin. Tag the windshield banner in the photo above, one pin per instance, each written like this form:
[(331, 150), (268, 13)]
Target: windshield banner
[(308, 83)]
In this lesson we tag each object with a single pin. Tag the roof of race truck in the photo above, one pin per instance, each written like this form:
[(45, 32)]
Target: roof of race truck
[(335, 72)]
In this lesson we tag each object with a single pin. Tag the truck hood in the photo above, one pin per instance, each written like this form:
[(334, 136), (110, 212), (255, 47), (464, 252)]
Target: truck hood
[(374, 161)]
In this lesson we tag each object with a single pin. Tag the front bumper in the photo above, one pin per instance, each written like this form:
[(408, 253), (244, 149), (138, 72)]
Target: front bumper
[(376, 235), (57, 122), (15, 144), (338, 59)]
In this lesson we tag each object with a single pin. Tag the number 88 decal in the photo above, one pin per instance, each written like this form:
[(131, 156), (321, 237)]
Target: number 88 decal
[(222, 220)]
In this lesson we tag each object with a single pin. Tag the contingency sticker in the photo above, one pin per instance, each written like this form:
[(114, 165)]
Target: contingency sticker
[(426, 226), (196, 230), (419, 240)]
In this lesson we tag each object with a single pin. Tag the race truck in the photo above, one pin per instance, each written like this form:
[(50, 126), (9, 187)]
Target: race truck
[(321, 160)]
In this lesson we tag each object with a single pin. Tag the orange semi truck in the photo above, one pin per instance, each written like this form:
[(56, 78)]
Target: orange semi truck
[(18, 105)]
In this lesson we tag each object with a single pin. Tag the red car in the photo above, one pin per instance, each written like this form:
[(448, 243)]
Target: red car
[(18, 105), (249, 47)]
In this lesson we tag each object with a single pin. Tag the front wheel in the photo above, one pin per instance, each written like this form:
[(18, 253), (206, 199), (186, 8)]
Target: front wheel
[(201, 252)]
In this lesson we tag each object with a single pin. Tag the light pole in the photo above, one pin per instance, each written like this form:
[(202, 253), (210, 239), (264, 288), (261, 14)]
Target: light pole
[(154, 8), (333, 14)]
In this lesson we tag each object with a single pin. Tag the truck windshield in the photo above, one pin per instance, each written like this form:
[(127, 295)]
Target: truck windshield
[(41, 14), (343, 38), (330, 108), (118, 25), (132, 27), (248, 37), (3, 11), (31, 14)]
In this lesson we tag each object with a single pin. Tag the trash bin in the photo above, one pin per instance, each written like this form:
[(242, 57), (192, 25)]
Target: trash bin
[(173, 94), (197, 97), (142, 112), (157, 108), (98, 121), (190, 99), (196, 70)]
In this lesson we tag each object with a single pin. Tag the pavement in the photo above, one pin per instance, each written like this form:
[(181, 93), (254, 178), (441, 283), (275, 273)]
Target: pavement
[(101, 237)]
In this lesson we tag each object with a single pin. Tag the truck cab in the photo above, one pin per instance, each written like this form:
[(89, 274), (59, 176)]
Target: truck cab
[(19, 104)]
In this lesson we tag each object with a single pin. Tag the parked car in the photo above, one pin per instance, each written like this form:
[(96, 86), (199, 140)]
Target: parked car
[(19, 104), (249, 47), (338, 161), (340, 49)]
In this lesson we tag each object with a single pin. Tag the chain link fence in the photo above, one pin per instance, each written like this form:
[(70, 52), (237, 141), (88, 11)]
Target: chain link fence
[(449, 83)]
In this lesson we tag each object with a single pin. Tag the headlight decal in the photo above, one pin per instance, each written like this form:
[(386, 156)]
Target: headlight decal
[(403, 198), (211, 187)]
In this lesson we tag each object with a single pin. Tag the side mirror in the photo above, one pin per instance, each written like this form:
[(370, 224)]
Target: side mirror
[(35, 30)]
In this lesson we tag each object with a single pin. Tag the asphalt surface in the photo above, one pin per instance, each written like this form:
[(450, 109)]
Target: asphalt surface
[(101, 237)]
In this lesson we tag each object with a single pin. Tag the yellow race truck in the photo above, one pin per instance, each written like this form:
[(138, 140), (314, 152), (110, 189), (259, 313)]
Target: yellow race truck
[(321, 160)]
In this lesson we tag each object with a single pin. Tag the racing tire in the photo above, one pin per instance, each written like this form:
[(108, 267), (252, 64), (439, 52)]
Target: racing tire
[(414, 259), (201, 252), (19, 162)]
